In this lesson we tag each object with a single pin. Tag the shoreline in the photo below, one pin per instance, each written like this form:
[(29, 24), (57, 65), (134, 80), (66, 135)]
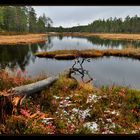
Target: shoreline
[(35, 38), (22, 39)]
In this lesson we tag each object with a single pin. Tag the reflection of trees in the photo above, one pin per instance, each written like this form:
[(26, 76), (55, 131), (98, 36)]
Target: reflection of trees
[(112, 43), (48, 45), (49, 40), (42, 45), (60, 37), (33, 48), (13, 55), (18, 55)]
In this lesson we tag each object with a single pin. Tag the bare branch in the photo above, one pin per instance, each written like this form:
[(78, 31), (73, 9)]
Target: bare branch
[(74, 70)]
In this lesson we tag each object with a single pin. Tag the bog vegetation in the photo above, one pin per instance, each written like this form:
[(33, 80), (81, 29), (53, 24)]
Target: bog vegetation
[(92, 53), (71, 107)]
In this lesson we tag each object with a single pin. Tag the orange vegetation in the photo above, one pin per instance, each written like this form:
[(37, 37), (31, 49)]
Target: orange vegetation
[(67, 54), (22, 39)]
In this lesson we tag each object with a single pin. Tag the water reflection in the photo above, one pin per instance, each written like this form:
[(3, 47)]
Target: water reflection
[(60, 37), (69, 43), (18, 55), (21, 55), (107, 43), (105, 70)]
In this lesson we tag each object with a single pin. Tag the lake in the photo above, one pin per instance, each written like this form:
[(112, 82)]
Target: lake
[(105, 70)]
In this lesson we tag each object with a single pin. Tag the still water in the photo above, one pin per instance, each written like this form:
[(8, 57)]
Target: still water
[(105, 70), (81, 43)]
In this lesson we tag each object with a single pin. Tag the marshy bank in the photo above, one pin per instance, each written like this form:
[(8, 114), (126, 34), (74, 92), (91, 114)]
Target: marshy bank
[(22, 39), (8, 38), (34, 38), (92, 53)]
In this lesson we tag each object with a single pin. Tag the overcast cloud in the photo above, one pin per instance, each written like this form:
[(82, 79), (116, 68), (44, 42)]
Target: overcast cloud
[(68, 16)]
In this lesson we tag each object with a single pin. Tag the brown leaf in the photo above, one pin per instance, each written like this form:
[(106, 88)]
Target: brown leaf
[(16, 101)]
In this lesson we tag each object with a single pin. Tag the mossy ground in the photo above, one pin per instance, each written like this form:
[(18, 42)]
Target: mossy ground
[(71, 107)]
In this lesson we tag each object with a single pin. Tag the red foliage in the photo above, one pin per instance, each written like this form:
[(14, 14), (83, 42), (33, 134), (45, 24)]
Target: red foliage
[(25, 112), (122, 93)]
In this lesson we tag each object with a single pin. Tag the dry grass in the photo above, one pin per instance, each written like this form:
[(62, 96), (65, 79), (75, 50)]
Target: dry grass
[(22, 39), (119, 36), (34, 38), (67, 54)]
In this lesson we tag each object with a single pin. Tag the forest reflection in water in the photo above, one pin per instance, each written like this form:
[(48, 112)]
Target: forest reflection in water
[(106, 70), (21, 55)]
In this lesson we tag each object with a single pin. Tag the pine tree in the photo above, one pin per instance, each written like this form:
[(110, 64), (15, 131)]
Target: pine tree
[(32, 20)]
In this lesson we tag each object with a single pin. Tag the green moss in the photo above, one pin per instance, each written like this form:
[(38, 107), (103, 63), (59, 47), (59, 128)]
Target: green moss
[(60, 124), (83, 131)]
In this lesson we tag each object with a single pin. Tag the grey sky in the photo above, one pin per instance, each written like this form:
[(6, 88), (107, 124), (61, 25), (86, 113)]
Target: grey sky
[(68, 16)]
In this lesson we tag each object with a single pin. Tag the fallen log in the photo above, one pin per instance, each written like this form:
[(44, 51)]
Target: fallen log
[(34, 87), (10, 103), (13, 99)]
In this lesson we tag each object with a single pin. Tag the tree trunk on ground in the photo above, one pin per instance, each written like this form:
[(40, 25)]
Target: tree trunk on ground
[(11, 103), (29, 89)]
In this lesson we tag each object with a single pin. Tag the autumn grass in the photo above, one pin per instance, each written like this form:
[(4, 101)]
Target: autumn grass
[(113, 36), (22, 39), (72, 54), (71, 105), (12, 33), (9, 80)]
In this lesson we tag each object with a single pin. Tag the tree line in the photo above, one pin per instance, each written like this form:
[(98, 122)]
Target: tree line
[(110, 25), (22, 19)]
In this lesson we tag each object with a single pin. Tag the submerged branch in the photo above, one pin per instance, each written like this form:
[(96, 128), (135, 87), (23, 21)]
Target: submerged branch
[(80, 70)]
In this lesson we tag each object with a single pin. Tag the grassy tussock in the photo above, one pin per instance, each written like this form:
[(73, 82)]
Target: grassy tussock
[(67, 54)]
